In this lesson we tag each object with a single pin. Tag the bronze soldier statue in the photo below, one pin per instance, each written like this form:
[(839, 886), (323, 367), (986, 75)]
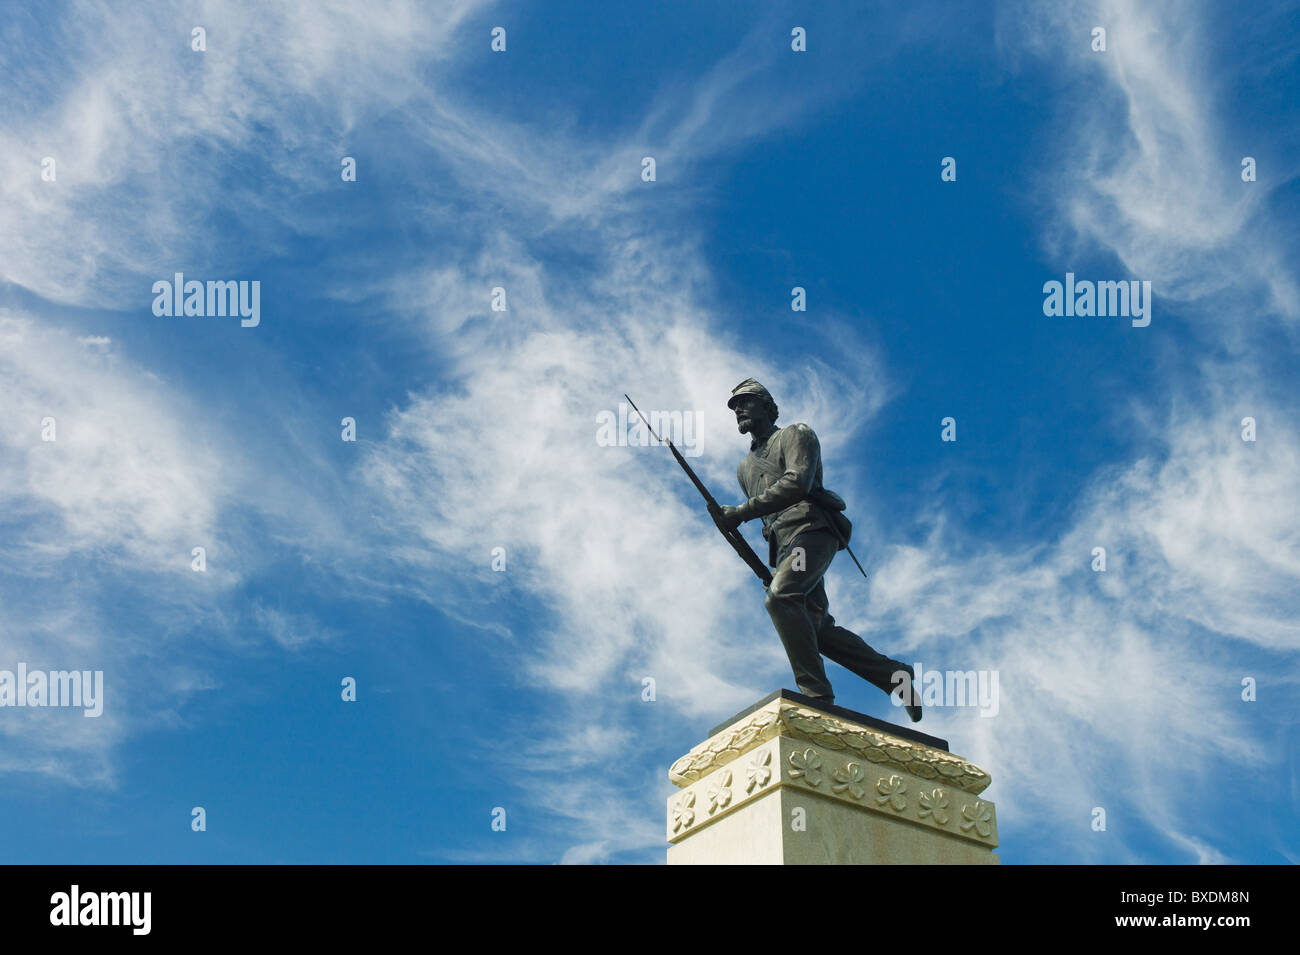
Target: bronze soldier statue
[(804, 527)]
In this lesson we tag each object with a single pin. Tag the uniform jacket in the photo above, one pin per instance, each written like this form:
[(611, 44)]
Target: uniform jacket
[(777, 475)]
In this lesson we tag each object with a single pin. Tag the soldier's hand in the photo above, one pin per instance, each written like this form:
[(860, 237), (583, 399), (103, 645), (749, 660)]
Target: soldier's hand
[(729, 518)]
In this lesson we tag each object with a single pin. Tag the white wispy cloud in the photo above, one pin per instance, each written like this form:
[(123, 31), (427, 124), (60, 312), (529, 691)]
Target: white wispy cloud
[(99, 470), (120, 473), (142, 130), (1114, 685), (1144, 168), (144, 134)]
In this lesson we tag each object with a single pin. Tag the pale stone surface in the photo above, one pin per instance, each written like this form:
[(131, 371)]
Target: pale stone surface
[(788, 784), (748, 837)]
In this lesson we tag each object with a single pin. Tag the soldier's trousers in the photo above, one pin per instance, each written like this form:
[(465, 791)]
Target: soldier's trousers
[(796, 601)]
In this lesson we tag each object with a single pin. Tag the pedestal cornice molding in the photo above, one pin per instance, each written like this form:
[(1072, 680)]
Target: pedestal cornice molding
[(790, 720)]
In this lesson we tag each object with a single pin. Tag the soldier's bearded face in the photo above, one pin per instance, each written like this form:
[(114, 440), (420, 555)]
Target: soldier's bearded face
[(751, 415)]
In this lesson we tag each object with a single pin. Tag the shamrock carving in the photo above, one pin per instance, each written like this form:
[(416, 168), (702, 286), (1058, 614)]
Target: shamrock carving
[(935, 804), (683, 811), (759, 771), (850, 777), (720, 795), (892, 792), (978, 816), (808, 765)]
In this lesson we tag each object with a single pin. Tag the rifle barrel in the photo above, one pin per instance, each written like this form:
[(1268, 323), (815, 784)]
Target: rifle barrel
[(734, 537)]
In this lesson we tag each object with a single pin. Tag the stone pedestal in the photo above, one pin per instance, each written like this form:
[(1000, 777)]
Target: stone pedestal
[(792, 782)]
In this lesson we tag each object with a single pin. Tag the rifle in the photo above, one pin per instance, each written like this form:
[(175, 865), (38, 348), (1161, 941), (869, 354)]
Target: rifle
[(734, 538)]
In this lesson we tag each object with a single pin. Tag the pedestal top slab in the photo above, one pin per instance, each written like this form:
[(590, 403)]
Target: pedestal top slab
[(843, 712)]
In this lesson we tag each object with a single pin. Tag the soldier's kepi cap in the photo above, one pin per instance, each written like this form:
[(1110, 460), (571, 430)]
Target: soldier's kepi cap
[(748, 387)]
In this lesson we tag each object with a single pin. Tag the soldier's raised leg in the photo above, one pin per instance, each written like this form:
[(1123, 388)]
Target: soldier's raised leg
[(850, 651)]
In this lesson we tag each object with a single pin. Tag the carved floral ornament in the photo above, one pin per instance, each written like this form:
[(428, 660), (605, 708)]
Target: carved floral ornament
[(683, 811), (847, 780), (807, 764), (978, 816), (935, 805), (893, 793), (720, 794)]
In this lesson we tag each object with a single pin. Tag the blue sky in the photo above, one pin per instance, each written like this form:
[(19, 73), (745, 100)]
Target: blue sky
[(476, 429)]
